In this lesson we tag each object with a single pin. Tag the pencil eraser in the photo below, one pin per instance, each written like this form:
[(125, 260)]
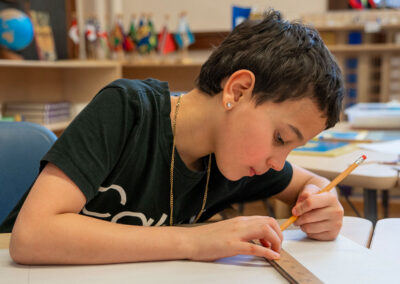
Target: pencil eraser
[(364, 157)]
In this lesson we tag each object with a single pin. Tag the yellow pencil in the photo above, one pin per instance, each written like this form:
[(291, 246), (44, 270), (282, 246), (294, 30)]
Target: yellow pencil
[(332, 184)]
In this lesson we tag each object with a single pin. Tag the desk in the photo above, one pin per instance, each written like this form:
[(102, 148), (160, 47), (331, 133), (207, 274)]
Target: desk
[(386, 237), (4, 241), (371, 177), (356, 264), (358, 230)]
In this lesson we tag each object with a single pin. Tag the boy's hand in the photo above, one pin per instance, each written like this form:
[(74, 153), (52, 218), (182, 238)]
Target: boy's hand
[(320, 216), (231, 237)]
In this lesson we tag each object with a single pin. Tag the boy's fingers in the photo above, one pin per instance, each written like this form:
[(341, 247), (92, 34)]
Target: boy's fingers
[(314, 201), (309, 190), (265, 244), (277, 229), (272, 237), (315, 228), (324, 236), (257, 250), (314, 216)]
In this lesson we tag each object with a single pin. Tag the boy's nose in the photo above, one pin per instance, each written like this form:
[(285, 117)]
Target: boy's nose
[(276, 162)]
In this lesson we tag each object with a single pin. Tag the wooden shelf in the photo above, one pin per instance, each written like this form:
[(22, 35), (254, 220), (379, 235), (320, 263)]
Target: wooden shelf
[(349, 28), (193, 59), (78, 81), (73, 80), (179, 73), (59, 64), (364, 48)]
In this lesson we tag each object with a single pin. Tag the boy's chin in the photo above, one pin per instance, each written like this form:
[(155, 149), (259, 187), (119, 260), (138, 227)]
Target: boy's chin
[(230, 175), (233, 177)]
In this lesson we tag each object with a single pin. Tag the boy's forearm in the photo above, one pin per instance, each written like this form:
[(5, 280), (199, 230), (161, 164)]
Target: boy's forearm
[(75, 239), (321, 182), (301, 178), (316, 180)]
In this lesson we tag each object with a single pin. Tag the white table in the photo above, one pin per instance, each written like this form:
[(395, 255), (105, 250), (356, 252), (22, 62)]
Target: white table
[(356, 229), (356, 264), (386, 239), (371, 176)]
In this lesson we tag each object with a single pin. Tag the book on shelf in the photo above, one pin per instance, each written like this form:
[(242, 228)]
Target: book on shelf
[(43, 113), (358, 136), (38, 113), (44, 106), (324, 148), (46, 120), (342, 136), (10, 118), (44, 37)]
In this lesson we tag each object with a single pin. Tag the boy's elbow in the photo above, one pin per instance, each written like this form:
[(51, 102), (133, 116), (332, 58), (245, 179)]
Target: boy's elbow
[(17, 255), (18, 249), (22, 246)]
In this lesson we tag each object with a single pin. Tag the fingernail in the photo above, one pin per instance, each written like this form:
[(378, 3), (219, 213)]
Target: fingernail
[(277, 255), (295, 211)]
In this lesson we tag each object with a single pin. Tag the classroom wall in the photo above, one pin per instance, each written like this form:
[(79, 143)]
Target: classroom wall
[(204, 15)]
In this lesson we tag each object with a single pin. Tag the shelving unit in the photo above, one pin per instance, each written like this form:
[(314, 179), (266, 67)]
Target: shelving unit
[(376, 68), (374, 71), (40, 81), (179, 72), (75, 81), (78, 81), (366, 65)]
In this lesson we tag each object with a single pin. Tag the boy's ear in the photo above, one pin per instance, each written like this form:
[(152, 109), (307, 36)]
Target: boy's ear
[(238, 86)]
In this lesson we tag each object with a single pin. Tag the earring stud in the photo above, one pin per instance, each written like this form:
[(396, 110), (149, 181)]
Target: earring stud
[(228, 104)]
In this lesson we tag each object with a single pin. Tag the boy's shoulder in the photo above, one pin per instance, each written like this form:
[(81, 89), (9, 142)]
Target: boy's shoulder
[(141, 96), (138, 86)]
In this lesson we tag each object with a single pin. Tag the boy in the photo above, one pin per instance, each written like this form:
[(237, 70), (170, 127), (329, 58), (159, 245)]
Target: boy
[(136, 159)]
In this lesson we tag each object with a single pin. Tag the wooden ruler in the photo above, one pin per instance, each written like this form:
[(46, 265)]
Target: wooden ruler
[(292, 270)]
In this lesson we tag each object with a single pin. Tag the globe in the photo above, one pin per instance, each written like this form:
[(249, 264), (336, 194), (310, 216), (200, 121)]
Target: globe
[(16, 29)]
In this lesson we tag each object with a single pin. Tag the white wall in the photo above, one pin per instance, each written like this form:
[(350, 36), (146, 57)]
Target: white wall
[(204, 15)]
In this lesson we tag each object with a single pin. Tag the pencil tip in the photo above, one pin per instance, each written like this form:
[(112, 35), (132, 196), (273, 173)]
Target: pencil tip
[(364, 157)]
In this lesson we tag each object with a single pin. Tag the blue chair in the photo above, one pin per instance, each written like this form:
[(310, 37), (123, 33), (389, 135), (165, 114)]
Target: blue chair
[(22, 145)]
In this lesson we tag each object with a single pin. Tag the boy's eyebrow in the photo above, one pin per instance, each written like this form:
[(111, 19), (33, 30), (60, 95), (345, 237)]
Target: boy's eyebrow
[(297, 131)]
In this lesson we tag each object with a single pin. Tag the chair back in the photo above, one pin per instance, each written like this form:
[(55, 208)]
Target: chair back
[(22, 145)]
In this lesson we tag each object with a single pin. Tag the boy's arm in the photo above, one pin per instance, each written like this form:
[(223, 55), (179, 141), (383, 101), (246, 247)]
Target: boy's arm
[(49, 230), (319, 215)]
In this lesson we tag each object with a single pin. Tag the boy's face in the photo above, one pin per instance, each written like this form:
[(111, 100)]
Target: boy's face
[(256, 139)]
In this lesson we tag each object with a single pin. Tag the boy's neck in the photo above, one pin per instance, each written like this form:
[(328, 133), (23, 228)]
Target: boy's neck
[(195, 125)]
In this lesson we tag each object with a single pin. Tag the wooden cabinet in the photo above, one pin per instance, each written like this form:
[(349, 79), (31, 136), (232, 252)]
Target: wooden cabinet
[(366, 45), (38, 81), (75, 81), (78, 81)]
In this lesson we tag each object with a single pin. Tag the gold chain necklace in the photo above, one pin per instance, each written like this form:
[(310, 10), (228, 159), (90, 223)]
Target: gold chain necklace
[(171, 195)]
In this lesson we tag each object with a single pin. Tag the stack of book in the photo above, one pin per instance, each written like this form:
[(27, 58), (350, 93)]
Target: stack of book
[(42, 113)]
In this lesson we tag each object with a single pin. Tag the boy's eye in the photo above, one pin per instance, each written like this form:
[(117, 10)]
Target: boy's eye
[(279, 139)]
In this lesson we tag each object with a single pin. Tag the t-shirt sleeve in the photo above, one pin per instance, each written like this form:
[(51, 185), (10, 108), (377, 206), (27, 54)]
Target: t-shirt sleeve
[(92, 144), (268, 184)]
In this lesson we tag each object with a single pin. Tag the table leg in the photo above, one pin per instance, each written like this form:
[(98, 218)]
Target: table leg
[(370, 205), (241, 208), (268, 207), (385, 203)]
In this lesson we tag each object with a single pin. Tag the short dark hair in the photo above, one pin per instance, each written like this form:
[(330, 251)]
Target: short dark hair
[(289, 61)]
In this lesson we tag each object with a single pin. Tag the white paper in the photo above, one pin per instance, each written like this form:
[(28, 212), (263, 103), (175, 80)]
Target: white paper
[(390, 147)]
